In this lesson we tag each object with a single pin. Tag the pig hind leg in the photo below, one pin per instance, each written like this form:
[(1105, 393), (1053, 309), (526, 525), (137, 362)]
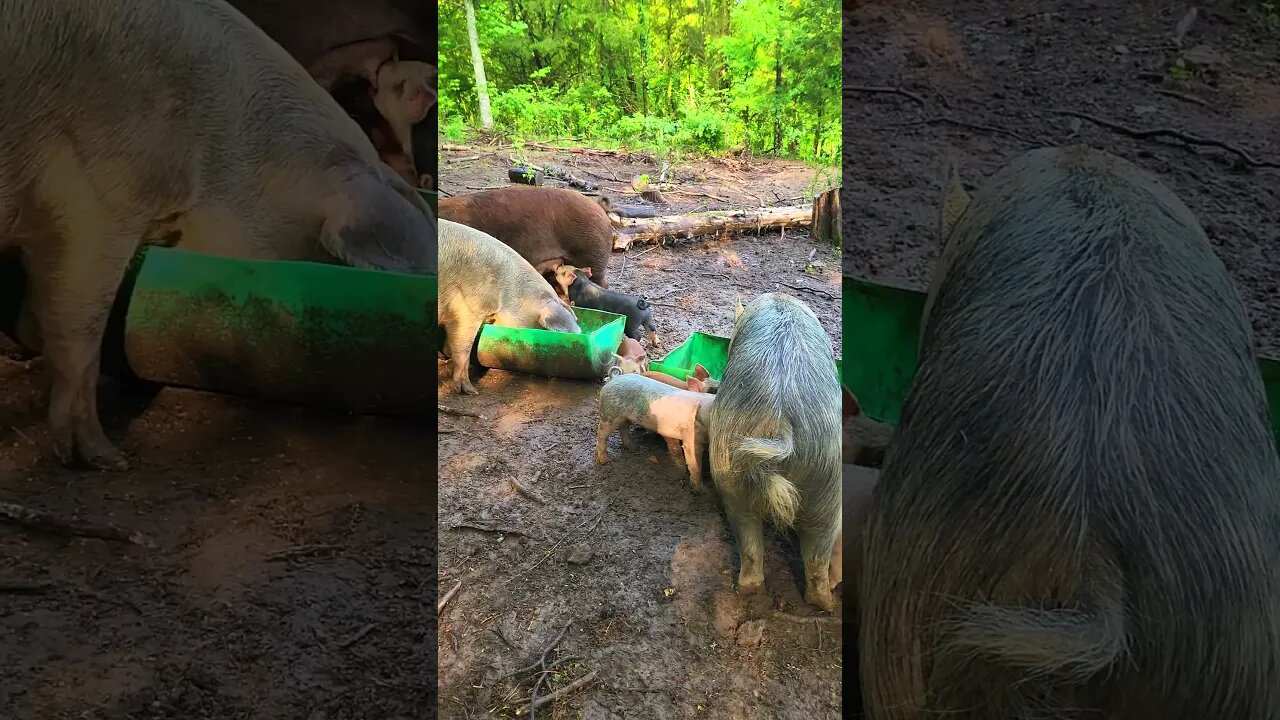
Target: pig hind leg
[(748, 528), (817, 550), (602, 437), (75, 274)]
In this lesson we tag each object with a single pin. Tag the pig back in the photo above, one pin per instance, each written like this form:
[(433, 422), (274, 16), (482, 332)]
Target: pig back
[(539, 223), (781, 367), (307, 29), (1087, 429), (478, 266), (170, 86)]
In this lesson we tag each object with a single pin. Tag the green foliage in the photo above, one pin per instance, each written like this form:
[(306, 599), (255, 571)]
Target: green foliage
[(674, 76)]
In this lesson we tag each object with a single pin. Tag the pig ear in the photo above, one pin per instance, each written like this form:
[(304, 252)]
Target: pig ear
[(355, 60), (379, 222), (955, 200), (696, 385), (700, 372), (586, 270)]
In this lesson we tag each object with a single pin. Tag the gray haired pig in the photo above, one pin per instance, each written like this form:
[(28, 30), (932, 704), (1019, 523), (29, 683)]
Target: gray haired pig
[(1079, 513), (680, 416), (775, 438), (481, 281), (136, 121)]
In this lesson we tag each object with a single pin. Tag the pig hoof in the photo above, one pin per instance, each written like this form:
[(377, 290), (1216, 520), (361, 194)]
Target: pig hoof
[(750, 587), (822, 600), (466, 388), (602, 459)]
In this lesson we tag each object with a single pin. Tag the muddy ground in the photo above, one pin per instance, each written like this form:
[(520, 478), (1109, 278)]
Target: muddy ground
[(986, 78), (638, 566), (292, 573)]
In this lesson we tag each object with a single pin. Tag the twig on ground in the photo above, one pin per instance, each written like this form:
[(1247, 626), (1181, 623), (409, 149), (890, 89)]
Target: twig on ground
[(883, 90), (447, 597), (357, 637), (446, 410), (520, 488), (490, 528), (561, 541), (813, 619), (38, 520), (815, 291), (1244, 158), (1183, 96), (22, 435), (562, 692), (947, 119), (485, 187), (298, 551)]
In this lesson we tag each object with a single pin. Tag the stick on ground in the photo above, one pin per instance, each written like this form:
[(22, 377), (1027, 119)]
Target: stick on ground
[(446, 410), (1243, 157), (562, 692), (39, 520), (447, 597)]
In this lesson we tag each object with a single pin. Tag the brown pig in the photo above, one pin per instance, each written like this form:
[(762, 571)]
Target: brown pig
[(549, 227), (677, 415), (139, 121)]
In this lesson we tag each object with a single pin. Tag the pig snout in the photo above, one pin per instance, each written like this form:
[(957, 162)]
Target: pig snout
[(377, 221), (556, 316)]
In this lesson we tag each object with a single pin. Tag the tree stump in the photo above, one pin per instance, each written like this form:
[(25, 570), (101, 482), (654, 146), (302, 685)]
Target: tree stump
[(825, 224)]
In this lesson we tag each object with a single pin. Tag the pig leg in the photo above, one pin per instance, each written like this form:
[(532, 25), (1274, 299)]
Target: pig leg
[(624, 429), (691, 457), (460, 336), (74, 281), (677, 454), (748, 528), (816, 549), (602, 438), (836, 573)]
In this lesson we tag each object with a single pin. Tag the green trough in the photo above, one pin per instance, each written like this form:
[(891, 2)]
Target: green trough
[(310, 333), (585, 355), (709, 351), (883, 322)]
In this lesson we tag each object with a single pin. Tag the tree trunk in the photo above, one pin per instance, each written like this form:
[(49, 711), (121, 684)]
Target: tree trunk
[(777, 101), (649, 230), (825, 224), (482, 85)]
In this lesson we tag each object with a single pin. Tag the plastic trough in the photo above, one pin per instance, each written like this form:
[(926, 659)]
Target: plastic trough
[(310, 333), (709, 351), (883, 323), (586, 355)]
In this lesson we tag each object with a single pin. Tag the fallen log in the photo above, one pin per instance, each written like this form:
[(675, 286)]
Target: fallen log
[(628, 231)]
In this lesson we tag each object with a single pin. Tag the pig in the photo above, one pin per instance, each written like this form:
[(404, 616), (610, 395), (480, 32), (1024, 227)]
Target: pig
[(584, 293), (775, 438), (699, 381), (483, 280), (1079, 515), (631, 357), (863, 440), (185, 126), (347, 46), (679, 416), (549, 227)]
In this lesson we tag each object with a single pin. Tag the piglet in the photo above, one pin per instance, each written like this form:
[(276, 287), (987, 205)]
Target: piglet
[(679, 416), (584, 293), (631, 357), (700, 381)]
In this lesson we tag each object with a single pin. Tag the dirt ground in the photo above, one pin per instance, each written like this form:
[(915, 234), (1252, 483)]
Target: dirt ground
[(292, 573), (638, 566), (987, 77)]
